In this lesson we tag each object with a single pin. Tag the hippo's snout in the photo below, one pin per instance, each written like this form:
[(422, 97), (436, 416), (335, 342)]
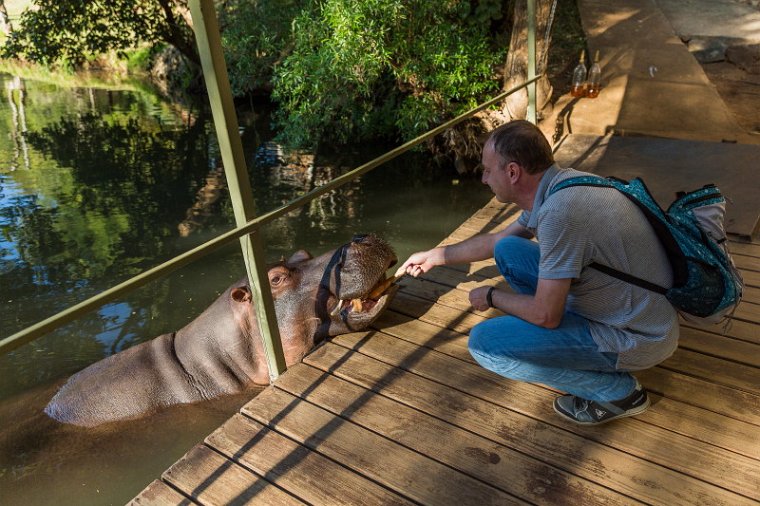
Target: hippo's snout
[(360, 289)]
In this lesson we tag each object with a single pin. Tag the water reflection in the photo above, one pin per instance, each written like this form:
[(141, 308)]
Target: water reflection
[(16, 99), (97, 185)]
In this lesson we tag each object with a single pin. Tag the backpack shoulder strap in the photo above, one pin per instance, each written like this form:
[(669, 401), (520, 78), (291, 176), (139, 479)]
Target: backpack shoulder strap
[(584, 181), (620, 185)]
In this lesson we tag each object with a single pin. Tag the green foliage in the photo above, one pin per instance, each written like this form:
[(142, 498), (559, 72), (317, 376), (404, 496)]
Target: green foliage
[(140, 59), (256, 35), (384, 67), (71, 31), (341, 70)]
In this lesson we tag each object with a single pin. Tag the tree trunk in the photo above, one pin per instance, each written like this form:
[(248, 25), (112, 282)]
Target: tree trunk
[(463, 143), (516, 67), (177, 35), (5, 21)]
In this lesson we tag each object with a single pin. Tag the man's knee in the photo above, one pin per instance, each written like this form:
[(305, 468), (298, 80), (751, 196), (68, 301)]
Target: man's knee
[(489, 344), (477, 339), (510, 247), (493, 358), (517, 260)]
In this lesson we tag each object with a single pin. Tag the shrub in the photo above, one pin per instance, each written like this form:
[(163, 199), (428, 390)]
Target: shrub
[(390, 68)]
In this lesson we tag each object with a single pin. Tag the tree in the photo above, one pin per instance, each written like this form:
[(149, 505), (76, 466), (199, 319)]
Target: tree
[(257, 36), (384, 68), (72, 30), (516, 66), (463, 143)]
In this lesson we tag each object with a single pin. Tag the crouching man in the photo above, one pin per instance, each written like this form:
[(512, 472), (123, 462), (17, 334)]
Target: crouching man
[(568, 326)]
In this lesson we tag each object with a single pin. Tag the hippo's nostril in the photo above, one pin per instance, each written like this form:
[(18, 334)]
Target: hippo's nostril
[(359, 237)]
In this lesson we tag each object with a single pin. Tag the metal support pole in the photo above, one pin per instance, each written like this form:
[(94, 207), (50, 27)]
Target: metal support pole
[(225, 120), (532, 60)]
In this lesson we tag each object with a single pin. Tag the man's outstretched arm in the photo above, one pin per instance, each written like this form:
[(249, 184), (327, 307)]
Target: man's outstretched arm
[(479, 247)]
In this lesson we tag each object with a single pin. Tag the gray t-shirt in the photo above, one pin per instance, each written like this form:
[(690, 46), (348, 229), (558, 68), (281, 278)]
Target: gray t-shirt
[(580, 225)]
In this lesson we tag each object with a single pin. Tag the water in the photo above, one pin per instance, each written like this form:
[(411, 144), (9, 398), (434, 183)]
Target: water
[(98, 185)]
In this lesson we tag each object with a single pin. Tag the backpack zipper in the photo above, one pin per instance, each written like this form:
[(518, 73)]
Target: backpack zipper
[(696, 200)]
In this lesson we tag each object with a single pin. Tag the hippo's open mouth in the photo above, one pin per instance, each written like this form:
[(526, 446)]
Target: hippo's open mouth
[(369, 304)]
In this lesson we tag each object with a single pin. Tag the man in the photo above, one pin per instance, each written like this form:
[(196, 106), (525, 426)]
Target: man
[(573, 328)]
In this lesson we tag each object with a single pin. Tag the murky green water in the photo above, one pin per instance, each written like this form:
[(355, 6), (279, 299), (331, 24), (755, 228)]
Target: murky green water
[(99, 185)]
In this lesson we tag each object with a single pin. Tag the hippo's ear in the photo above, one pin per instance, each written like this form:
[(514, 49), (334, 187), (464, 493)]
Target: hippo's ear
[(241, 294), (299, 256)]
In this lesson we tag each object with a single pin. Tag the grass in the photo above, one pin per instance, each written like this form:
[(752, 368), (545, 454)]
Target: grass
[(80, 79)]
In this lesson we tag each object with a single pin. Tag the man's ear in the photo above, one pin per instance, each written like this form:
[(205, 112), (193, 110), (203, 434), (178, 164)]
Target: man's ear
[(514, 171), (241, 294)]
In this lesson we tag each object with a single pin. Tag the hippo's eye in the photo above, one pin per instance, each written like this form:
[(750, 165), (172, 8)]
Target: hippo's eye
[(276, 279)]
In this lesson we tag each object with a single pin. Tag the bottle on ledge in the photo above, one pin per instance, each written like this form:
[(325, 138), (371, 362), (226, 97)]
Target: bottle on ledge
[(578, 88), (594, 78)]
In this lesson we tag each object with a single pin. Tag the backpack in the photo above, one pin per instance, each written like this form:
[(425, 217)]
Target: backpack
[(707, 286)]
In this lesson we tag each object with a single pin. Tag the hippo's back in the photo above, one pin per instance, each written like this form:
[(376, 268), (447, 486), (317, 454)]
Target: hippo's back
[(131, 383)]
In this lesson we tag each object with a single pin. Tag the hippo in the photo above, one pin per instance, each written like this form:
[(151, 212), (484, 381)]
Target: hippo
[(221, 351)]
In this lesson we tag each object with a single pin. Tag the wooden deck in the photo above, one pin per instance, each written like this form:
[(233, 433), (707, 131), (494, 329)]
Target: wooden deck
[(403, 415)]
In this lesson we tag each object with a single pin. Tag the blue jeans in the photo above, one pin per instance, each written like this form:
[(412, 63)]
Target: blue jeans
[(565, 358)]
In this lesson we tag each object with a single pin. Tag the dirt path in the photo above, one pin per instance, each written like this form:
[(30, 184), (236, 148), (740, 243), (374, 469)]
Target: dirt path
[(723, 36), (740, 90)]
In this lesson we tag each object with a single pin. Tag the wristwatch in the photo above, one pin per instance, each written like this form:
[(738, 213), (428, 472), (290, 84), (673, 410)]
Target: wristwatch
[(489, 296)]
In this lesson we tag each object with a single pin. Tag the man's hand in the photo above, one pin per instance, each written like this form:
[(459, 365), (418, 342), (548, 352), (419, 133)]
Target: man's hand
[(478, 298), (422, 261)]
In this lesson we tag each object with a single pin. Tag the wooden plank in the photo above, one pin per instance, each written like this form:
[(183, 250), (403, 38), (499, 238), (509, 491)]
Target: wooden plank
[(466, 407), (415, 331), (295, 468), (630, 435), (751, 278), (703, 393), (751, 294), (744, 248), (475, 226), (738, 329), (748, 311), (713, 428), (159, 494), (744, 262), (497, 211), (465, 281), (418, 477), (474, 455), (720, 346), (734, 435), (210, 478), (447, 317), (719, 371), (482, 268), (467, 230)]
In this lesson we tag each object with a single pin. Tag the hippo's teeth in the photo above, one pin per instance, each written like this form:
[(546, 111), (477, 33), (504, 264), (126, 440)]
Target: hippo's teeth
[(338, 307), (357, 305)]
